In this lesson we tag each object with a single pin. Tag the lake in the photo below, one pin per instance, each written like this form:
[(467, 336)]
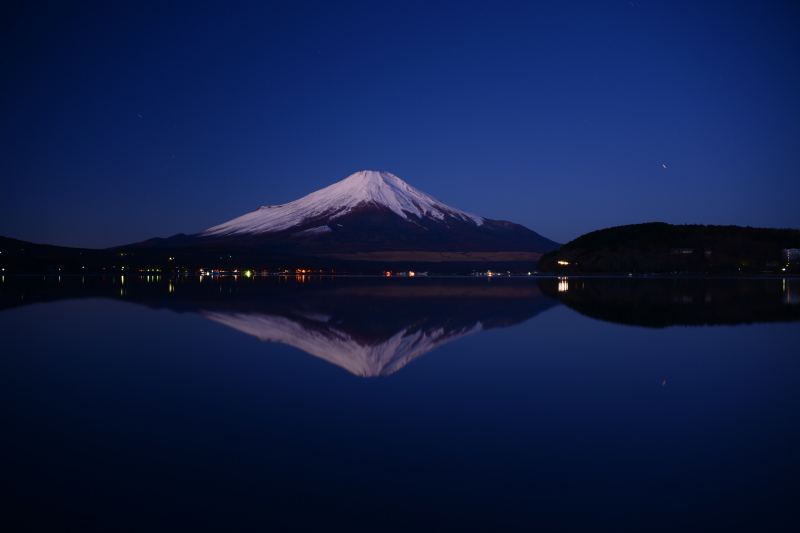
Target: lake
[(413, 404)]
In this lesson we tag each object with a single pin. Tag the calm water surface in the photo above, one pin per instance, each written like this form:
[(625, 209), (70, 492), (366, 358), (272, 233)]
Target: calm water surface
[(403, 404)]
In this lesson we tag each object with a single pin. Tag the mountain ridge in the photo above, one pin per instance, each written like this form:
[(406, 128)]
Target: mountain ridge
[(660, 247), (366, 213)]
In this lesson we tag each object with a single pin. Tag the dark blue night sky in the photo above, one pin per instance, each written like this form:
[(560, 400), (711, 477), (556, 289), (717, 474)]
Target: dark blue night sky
[(124, 121)]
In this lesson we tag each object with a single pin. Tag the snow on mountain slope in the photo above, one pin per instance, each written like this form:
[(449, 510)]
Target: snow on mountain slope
[(367, 187)]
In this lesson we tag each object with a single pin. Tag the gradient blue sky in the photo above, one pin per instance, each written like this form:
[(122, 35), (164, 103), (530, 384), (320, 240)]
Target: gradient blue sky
[(124, 121)]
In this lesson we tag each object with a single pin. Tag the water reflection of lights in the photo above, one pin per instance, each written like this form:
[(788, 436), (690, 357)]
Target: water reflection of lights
[(563, 284), (791, 297), (171, 287)]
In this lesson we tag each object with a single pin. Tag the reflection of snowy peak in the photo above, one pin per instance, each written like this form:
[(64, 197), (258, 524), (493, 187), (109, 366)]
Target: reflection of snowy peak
[(357, 356), (369, 326), (366, 188), (375, 326)]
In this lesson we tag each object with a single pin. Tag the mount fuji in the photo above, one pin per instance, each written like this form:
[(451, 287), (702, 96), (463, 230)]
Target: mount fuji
[(373, 216)]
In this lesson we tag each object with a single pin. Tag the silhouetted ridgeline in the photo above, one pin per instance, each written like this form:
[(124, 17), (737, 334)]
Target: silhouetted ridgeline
[(661, 247), (22, 257)]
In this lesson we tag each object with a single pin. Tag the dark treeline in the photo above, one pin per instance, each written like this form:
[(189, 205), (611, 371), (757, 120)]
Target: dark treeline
[(22, 257), (661, 247)]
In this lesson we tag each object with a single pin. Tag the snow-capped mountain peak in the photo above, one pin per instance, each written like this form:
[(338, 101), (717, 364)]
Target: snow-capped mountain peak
[(365, 188)]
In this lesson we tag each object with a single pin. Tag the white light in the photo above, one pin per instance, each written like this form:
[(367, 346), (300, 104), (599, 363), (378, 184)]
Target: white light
[(563, 284)]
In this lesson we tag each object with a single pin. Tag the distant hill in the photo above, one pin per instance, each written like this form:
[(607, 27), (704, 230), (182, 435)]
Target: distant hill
[(660, 247), (373, 216), (22, 257)]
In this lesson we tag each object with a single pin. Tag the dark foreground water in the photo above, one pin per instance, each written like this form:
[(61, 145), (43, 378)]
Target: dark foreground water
[(575, 404)]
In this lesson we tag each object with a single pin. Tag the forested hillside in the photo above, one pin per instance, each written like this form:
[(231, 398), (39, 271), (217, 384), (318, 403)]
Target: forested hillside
[(661, 247)]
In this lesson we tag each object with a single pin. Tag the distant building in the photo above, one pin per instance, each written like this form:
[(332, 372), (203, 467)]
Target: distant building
[(791, 255)]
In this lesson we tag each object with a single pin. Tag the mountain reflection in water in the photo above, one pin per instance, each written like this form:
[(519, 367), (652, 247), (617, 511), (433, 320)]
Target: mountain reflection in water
[(367, 326), (121, 416), (375, 326)]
